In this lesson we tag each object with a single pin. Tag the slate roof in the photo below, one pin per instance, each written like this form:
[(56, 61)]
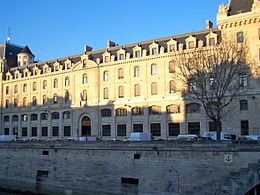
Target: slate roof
[(27, 51), (93, 55), (9, 52), (240, 6)]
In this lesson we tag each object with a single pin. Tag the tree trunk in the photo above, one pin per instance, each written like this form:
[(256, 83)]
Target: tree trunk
[(218, 129)]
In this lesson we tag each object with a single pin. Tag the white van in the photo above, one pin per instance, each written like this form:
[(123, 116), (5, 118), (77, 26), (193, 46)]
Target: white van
[(188, 137), (213, 135), (139, 136)]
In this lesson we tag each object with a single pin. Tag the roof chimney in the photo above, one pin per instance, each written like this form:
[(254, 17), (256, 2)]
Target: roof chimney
[(209, 24), (87, 48), (110, 44)]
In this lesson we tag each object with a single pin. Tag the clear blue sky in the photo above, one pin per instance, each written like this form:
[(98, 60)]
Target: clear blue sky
[(58, 28)]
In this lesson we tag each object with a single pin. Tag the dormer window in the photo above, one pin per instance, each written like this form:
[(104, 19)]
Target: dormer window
[(121, 56), (211, 41), (154, 51), (191, 45), (85, 63), (191, 42), (137, 54), (107, 59), (172, 48)]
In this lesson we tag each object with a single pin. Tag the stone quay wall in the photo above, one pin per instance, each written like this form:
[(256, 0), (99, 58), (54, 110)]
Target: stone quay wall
[(162, 167)]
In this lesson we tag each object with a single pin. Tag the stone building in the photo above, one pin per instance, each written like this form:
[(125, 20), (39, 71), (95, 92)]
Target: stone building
[(123, 88)]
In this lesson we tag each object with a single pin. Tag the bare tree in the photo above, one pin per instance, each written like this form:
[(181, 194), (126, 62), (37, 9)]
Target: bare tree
[(214, 76)]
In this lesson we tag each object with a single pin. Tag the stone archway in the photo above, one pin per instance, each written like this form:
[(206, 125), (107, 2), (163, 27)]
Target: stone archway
[(85, 126)]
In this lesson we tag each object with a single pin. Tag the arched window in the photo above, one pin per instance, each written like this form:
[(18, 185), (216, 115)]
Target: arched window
[(7, 90), (67, 81), (66, 115), (24, 87), (44, 116), (15, 118), (136, 71), (137, 110), (154, 110), (84, 95), (44, 84), (34, 86), (24, 101), (120, 91), (15, 89), (105, 113), (34, 101), (15, 102), (106, 75), (120, 73), (34, 117), (137, 90), (171, 67), (154, 69), (55, 115), (55, 99), (6, 118), (55, 83), (154, 88), (6, 103), (44, 99), (24, 117), (243, 105), (84, 79), (121, 112), (67, 97), (106, 93), (193, 108), (173, 109), (172, 87)]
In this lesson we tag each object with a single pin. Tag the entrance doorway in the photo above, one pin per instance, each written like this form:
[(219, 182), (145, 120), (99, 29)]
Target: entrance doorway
[(85, 126)]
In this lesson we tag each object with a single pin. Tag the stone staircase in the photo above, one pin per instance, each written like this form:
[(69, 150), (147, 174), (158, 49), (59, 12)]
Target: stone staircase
[(237, 183)]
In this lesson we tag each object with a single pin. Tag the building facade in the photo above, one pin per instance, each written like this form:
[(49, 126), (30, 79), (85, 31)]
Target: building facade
[(122, 89)]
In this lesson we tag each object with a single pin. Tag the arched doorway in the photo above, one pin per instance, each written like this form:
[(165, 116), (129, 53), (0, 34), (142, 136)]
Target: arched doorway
[(86, 126)]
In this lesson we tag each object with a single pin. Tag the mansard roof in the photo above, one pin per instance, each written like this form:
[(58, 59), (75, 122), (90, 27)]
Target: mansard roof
[(27, 51), (239, 6), (94, 55), (9, 52)]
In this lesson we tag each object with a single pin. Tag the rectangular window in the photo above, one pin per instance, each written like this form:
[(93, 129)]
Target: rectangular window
[(243, 105), (121, 130), (155, 129), (34, 131), (211, 41), (55, 131), (138, 128), (106, 130), (154, 51), (212, 126), (24, 131), (174, 129), (121, 56), (194, 128), (191, 44), (44, 131), (243, 80), (137, 54), (121, 92), (240, 37), (67, 130), (244, 127), (6, 131)]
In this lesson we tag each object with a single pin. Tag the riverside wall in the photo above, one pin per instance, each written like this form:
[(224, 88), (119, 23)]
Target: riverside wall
[(160, 167)]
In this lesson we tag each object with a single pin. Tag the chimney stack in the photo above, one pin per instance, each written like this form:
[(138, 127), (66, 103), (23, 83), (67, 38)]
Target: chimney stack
[(87, 48), (110, 44), (209, 24)]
